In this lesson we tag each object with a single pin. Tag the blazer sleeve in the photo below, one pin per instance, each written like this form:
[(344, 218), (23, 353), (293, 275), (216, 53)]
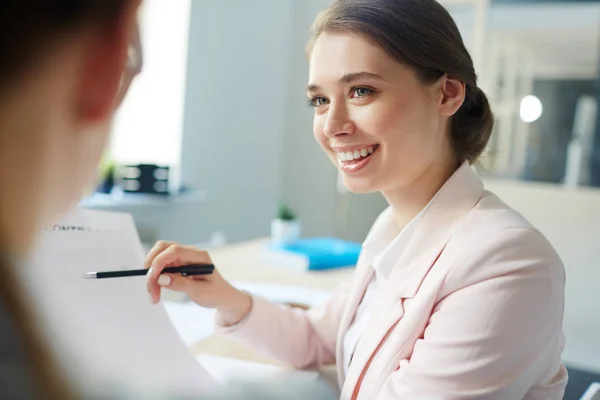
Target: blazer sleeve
[(302, 339), (495, 329)]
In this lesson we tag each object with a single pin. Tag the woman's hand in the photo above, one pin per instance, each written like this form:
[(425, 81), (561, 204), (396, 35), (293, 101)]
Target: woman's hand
[(209, 291)]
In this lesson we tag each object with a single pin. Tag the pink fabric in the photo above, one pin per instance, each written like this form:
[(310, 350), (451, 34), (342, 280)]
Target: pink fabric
[(472, 309)]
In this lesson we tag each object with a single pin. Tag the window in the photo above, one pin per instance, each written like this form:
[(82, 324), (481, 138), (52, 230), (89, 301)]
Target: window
[(148, 126)]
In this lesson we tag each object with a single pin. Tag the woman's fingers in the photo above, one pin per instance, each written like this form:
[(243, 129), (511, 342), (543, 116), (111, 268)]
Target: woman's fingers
[(158, 248), (176, 254), (165, 254)]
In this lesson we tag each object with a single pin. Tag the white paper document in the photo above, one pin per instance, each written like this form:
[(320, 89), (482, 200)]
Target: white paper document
[(230, 370), (285, 294), (246, 380), (108, 334), (194, 323)]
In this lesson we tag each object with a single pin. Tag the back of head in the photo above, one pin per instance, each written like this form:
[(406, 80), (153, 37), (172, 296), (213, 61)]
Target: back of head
[(422, 35), (29, 28), (29, 32)]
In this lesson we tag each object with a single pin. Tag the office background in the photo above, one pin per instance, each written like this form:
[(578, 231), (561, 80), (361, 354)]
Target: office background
[(222, 101)]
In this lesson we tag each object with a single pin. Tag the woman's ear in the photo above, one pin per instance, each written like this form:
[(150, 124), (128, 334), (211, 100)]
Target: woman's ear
[(104, 65), (451, 95)]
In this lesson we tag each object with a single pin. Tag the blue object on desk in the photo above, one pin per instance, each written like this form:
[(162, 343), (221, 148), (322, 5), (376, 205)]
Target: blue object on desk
[(323, 252)]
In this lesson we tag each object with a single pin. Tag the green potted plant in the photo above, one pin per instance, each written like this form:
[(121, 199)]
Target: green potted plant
[(107, 176), (285, 227)]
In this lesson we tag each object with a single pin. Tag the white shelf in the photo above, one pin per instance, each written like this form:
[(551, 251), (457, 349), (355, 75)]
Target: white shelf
[(117, 200)]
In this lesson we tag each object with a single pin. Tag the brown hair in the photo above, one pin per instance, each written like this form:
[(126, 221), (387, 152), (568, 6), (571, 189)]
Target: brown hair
[(28, 27), (422, 35)]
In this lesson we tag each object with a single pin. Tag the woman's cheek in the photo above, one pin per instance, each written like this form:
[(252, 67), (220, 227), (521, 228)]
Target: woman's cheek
[(318, 130)]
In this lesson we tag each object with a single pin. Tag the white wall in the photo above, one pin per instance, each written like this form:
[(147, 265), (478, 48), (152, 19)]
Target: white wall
[(234, 117), (570, 219)]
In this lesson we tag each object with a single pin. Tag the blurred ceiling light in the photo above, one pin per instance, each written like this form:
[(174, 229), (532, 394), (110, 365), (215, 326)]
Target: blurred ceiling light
[(531, 109)]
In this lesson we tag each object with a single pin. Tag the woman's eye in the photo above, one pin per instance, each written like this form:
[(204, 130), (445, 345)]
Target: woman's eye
[(361, 92), (317, 101)]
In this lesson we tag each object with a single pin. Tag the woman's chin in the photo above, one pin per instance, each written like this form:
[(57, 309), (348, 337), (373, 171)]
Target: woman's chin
[(359, 186)]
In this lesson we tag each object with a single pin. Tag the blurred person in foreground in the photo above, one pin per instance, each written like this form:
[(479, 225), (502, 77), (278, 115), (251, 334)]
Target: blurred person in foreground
[(64, 70)]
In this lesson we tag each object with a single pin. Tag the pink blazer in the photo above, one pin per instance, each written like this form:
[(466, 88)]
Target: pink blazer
[(472, 310)]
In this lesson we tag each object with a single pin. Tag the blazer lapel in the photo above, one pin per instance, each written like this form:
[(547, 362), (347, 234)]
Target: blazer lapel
[(448, 209), (384, 317)]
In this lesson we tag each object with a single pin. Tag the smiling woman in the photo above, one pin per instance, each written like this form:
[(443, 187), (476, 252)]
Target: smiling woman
[(455, 295)]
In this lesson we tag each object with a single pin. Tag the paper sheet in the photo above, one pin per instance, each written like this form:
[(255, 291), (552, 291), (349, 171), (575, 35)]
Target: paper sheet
[(254, 381), (194, 323), (230, 370), (109, 335), (281, 294)]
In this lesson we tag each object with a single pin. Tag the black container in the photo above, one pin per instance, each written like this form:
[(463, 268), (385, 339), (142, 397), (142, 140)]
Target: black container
[(145, 178)]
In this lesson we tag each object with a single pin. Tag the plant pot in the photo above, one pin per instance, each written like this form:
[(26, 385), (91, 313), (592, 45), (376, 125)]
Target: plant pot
[(106, 186), (285, 231)]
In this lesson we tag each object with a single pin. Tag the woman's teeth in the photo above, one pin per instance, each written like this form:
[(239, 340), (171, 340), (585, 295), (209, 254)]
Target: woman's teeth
[(356, 154)]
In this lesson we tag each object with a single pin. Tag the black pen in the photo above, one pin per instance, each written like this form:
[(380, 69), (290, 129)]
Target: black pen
[(184, 270)]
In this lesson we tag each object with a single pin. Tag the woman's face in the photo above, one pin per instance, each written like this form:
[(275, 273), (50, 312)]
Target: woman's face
[(377, 122)]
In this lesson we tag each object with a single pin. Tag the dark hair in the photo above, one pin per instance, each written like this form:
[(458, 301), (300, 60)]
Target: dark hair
[(422, 35), (27, 28)]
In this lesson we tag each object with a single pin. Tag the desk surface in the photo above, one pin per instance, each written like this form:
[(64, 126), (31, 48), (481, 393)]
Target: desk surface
[(245, 261)]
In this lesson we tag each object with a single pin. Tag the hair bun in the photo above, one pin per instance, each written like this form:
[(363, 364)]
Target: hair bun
[(472, 125)]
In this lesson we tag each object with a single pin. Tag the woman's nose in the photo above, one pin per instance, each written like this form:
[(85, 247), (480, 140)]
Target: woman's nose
[(338, 123)]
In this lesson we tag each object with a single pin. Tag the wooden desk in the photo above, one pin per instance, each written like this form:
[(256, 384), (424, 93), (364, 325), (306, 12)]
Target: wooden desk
[(245, 261)]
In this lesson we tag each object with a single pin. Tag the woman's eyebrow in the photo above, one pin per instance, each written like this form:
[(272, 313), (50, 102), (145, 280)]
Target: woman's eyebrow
[(348, 78)]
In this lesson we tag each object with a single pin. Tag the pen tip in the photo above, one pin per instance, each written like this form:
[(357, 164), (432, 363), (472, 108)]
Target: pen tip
[(89, 275)]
